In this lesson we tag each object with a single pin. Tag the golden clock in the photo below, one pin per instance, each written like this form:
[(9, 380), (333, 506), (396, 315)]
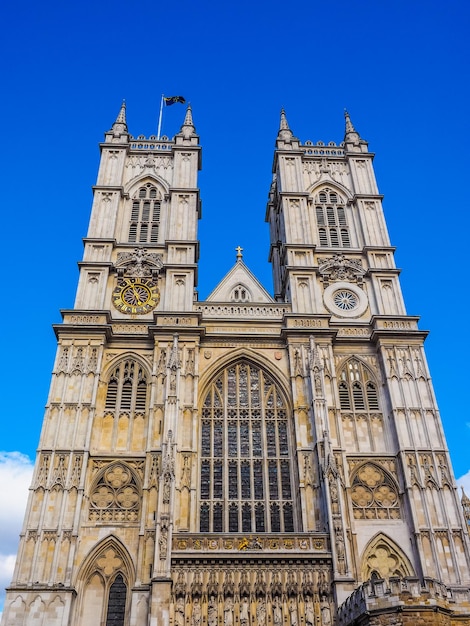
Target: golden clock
[(136, 295)]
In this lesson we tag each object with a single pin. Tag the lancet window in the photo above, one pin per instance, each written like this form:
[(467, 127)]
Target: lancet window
[(357, 390), (332, 224), (127, 389), (246, 472), (116, 602), (145, 215)]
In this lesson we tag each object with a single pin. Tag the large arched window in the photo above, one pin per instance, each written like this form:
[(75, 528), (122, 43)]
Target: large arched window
[(332, 225), (246, 470), (145, 215)]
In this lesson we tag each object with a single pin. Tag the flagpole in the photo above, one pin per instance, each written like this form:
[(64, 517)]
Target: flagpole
[(160, 119)]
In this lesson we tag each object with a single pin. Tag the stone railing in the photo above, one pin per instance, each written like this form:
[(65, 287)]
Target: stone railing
[(388, 596), (150, 143), (320, 149), (249, 310)]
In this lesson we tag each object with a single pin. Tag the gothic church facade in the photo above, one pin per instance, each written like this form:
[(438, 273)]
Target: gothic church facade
[(247, 460)]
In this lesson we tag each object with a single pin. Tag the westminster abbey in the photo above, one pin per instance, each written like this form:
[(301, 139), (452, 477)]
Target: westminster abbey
[(252, 459)]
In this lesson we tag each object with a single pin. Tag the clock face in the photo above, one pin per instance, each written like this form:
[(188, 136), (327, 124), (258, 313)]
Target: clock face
[(136, 295)]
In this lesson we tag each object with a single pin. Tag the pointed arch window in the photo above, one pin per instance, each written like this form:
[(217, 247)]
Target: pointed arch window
[(240, 294), (104, 597), (117, 602), (246, 467), (356, 389), (145, 215), (332, 224), (127, 388)]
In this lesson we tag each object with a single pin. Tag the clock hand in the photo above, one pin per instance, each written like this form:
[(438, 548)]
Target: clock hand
[(137, 297)]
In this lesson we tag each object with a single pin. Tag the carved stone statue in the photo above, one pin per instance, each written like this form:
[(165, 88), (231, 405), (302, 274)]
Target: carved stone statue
[(244, 612), (325, 615), (179, 612), (261, 612), (228, 612), (212, 612), (309, 612), (196, 614), (294, 618), (277, 611)]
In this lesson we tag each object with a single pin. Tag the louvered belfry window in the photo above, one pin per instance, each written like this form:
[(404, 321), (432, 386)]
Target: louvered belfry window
[(357, 390), (332, 225), (145, 215), (127, 388), (246, 469)]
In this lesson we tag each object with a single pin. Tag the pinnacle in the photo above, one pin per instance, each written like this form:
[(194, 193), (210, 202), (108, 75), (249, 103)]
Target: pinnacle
[(188, 129), (120, 125), (284, 130), (284, 125), (350, 133)]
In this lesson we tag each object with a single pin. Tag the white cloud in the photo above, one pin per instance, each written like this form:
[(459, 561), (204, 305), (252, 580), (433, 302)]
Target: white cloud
[(16, 470), (464, 481)]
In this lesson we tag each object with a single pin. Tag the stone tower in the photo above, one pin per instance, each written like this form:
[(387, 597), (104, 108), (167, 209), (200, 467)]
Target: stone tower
[(247, 460)]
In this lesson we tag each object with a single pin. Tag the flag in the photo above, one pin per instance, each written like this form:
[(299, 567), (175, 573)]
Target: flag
[(172, 99)]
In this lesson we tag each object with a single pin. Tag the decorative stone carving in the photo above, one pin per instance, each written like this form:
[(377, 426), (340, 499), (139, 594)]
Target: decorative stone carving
[(63, 363), (186, 472), (373, 494), (179, 611), (161, 366), (340, 268), (212, 611), (277, 611), (76, 473), (163, 538), (228, 611), (109, 562), (261, 612), (180, 587), (43, 472), (244, 611), (189, 367), (59, 473), (309, 611), (308, 476), (78, 363), (116, 496), (139, 264), (168, 469), (92, 362), (196, 615), (154, 471)]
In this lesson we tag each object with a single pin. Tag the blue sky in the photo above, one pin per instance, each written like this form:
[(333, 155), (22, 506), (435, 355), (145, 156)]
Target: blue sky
[(400, 68)]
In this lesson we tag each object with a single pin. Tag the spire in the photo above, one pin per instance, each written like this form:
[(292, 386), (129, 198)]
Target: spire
[(120, 125), (284, 130)]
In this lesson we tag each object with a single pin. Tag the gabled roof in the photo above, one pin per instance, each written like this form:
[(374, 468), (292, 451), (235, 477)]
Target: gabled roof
[(239, 277)]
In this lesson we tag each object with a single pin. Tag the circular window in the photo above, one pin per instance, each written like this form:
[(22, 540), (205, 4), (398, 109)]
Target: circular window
[(345, 300)]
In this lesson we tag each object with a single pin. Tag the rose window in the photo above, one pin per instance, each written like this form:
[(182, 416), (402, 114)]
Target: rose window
[(345, 300)]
